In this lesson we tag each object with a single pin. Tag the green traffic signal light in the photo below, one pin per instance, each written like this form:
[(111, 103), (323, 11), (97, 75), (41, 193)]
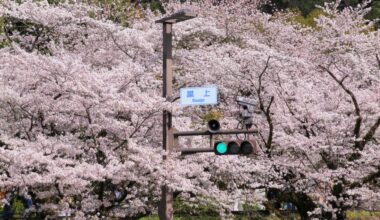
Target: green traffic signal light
[(220, 148), (229, 147)]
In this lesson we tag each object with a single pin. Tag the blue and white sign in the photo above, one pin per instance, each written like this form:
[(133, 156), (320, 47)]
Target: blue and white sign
[(199, 96)]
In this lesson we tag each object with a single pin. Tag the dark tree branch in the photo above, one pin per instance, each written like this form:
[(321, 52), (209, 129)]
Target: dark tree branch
[(57, 96), (310, 161), (35, 40), (331, 162), (281, 90), (356, 105), (266, 110), (378, 60), (148, 129), (342, 80), (262, 138), (302, 121), (371, 132), (265, 68), (372, 177), (56, 186), (7, 31), (120, 47), (137, 128), (121, 144), (270, 122), (88, 113), (270, 104)]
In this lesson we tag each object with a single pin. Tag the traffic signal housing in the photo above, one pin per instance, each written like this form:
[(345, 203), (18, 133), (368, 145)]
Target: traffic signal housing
[(213, 126), (231, 147)]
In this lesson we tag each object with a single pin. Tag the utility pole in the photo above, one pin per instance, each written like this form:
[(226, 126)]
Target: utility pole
[(165, 208), (169, 134)]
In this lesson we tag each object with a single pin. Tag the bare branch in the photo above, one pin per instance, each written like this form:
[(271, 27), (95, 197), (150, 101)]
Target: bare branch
[(88, 114), (270, 103), (369, 135), (121, 144), (378, 60), (356, 105), (310, 161), (368, 179), (270, 123), (263, 139), (372, 176), (120, 47), (265, 68), (138, 126), (260, 85), (266, 110), (342, 80), (35, 40)]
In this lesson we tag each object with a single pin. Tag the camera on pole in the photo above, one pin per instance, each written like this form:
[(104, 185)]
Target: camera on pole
[(247, 113)]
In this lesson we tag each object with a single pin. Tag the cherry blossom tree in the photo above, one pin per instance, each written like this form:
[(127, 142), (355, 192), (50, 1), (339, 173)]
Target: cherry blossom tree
[(81, 108), (312, 86), (78, 100)]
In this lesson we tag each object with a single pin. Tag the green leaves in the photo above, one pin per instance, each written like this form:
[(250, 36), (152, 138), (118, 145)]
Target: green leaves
[(123, 11), (308, 11), (375, 12), (28, 34), (4, 42), (309, 20)]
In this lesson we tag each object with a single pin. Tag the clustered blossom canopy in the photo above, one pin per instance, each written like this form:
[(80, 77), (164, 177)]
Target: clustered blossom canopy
[(81, 105)]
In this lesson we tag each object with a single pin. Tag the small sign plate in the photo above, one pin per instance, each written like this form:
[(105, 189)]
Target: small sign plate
[(199, 96)]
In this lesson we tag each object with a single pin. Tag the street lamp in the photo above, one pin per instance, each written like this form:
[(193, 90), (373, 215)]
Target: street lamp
[(165, 209), (181, 15)]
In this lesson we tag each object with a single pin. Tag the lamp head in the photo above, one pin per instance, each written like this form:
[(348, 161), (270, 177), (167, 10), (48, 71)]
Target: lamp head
[(181, 15)]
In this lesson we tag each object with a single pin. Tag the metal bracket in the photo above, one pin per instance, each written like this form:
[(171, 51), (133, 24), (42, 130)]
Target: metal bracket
[(185, 151)]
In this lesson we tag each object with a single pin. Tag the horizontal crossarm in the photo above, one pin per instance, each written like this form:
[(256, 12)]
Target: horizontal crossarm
[(221, 132), (186, 151)]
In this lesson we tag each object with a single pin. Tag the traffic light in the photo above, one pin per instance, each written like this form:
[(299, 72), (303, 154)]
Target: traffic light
[(213, 126), (230, 147)]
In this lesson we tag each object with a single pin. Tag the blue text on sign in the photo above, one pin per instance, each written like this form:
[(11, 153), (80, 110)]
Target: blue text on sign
[(199, 96)]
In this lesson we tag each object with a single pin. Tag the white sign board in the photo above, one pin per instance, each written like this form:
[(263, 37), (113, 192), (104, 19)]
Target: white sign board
[(199, 96)]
